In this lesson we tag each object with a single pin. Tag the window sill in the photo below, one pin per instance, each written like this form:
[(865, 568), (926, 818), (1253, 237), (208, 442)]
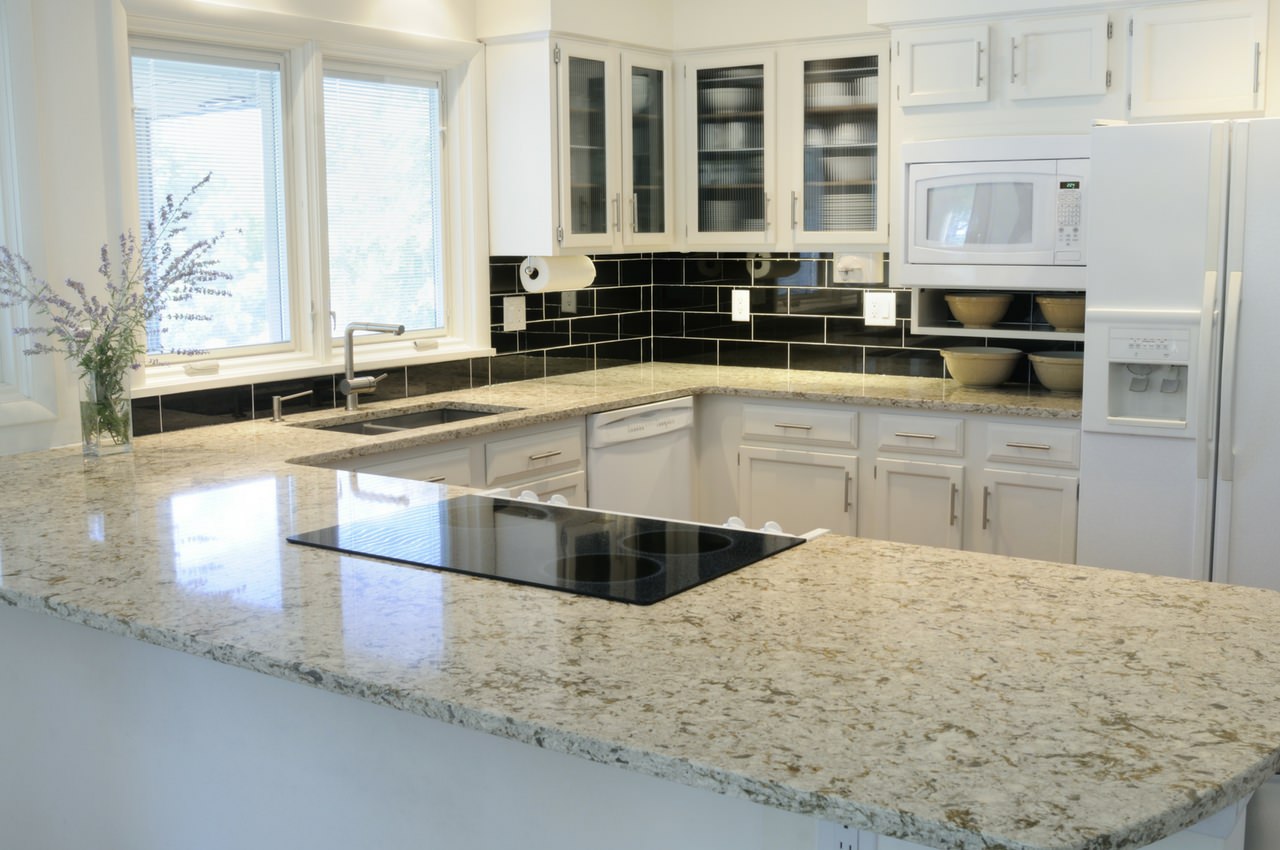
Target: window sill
[(164, 380)]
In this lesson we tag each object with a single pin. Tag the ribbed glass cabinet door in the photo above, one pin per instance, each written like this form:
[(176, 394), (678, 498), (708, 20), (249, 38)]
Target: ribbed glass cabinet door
[(588, 211), (731, 149), (648, 154), (840, 132)]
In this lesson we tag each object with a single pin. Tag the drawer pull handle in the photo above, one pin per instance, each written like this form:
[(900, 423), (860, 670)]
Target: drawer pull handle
[(986, 504), (955, 491), (436, 479), (545, 455), (793, 425), (910, 436), (1040, 447)]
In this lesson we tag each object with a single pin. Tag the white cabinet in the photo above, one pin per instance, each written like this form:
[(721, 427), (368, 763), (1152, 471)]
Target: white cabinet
[(1028, 493), (730, 158), (782, 147), (797, 467), (1057, 57), (918, 502), (832, 100), (579, 147), (1028, 515), (941, 65), (799, 490), (534, 454), (1198, 59)]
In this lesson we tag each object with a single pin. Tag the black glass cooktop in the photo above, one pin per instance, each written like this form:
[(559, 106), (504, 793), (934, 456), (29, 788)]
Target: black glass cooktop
[(613, 556)]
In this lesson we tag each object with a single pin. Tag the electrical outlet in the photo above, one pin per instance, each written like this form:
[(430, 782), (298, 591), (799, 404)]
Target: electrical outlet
[(880, 308), (568, 302), (513, 313), (836, 836), (741, 305)]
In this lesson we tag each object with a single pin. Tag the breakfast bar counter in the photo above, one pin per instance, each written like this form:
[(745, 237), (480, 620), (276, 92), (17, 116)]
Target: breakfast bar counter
[(947, 698)]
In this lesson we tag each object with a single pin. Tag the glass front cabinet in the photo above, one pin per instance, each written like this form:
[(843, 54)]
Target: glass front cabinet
[(784, 147), (615, 147)]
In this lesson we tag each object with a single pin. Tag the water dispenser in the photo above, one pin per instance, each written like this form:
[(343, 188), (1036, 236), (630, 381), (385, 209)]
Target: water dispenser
[(1144, 383)]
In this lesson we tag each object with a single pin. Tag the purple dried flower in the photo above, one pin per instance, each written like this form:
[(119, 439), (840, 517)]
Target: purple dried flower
[(141, 283)]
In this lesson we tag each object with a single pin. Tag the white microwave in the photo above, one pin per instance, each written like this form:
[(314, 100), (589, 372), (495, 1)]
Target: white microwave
[(996, 212)]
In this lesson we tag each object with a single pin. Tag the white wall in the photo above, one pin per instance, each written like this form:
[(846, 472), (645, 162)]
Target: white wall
[(719, 23)]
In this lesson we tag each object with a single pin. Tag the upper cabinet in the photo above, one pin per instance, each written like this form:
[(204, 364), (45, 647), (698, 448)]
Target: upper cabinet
[(731, 161), (1199, 59), (1057, 57), (1038, 58), (782, 147), (579, 148), (942, 65)]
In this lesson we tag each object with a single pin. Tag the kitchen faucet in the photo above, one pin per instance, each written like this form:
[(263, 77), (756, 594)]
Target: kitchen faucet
[(351, 385)]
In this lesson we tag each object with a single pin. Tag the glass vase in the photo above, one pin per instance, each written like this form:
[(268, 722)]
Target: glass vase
[(106, 414)]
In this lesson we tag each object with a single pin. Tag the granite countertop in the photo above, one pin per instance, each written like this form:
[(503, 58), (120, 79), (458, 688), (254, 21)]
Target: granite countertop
[(954, 699)]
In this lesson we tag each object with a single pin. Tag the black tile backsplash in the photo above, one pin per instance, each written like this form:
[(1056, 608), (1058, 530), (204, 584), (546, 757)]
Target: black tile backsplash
[(641, 308)]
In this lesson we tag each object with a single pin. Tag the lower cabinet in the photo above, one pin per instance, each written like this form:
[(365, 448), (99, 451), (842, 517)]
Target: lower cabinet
[(452, 466), (1027, 514), (799, 490), (917, 502)]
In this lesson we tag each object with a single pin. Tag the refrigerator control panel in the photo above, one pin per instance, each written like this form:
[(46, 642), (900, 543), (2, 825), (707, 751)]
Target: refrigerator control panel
[(1162, 345)]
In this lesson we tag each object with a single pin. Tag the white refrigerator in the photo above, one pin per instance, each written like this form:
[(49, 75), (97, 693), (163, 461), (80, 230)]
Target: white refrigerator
[(1180, 455)]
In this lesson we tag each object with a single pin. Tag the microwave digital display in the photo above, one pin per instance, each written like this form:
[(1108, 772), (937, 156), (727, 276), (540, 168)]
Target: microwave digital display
[(1069, 184)]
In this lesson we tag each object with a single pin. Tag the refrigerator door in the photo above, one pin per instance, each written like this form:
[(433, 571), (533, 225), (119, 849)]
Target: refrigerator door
[(1157, 232), (1247, 509)]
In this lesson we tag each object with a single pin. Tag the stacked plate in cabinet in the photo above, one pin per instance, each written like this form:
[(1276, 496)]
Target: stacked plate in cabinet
[(848, 211)]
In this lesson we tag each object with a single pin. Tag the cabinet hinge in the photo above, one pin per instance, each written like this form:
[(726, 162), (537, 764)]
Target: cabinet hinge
[(1108, 78), (740, 462), (1131, 26), (560, 234), (875, 472), (1110, 29), (1128, 101), (555, 55)]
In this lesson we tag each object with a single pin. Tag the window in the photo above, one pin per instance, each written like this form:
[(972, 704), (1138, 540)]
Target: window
[(320, 229), (195, 116), (382, 184)]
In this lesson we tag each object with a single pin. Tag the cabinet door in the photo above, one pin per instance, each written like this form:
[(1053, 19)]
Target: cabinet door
[(941, 65), (590, 194), (1058, 57), (731, 117), (918, 502), (1198, 59), (1028, 515), (646, 150), (799, 490), (832, 106)]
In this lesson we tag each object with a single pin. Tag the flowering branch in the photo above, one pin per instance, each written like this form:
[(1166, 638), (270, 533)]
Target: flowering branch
[(143, 283)]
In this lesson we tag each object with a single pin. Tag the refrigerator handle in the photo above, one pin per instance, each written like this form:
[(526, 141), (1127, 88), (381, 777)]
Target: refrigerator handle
[(1204, 383), (1226, 421)]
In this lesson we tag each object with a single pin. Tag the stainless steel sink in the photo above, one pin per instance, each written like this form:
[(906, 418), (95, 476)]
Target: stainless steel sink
[(392, 423)]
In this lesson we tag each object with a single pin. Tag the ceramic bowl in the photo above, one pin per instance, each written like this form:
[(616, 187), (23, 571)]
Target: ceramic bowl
[(1059, 371), (981, 366), (978, 309), (727, 98), (1064, 312)]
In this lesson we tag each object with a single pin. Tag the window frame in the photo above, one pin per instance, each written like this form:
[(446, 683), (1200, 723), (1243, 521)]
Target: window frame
[(28, 385), (388, 74), (305, 47)]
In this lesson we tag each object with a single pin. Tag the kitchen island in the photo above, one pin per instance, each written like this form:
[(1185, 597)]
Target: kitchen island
[(948, 698)]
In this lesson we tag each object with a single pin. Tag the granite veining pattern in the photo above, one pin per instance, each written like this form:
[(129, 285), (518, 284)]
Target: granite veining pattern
[(954, 699)]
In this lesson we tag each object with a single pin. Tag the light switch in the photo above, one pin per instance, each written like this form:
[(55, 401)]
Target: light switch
[(879, 308), (741, 305)]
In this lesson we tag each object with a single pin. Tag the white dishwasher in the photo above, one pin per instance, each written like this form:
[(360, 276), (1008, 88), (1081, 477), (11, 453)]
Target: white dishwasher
[(640, 459)]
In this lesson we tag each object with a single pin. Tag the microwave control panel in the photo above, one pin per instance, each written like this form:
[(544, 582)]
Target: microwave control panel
[(1070, 220)]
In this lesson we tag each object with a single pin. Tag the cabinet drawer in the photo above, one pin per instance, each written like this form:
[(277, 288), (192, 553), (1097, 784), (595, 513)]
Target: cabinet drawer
[(533, 455), (452, 466), (926, 435), (800, 425), (1033, 444)]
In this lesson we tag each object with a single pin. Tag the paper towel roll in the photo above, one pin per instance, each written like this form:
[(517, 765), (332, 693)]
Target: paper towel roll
[(556, 274)]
